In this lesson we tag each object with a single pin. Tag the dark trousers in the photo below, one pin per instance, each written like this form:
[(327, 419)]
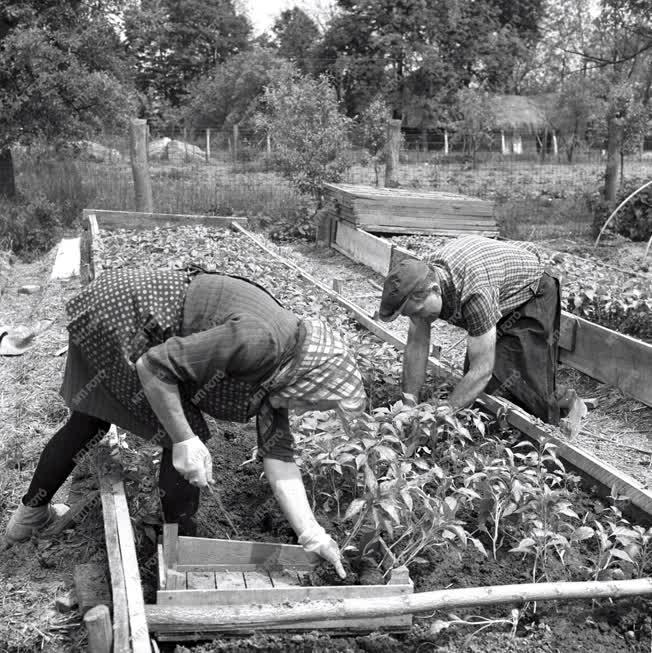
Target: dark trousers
[(179, 499), (527, 340)]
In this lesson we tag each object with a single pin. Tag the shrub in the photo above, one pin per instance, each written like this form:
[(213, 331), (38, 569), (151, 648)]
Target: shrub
[(634, 220), (29, 228)]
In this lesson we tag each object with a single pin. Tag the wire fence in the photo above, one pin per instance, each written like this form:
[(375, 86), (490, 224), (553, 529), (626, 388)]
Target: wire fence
[(535, 194)]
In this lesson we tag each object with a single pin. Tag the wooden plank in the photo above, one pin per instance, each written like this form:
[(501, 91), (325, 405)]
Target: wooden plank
[(98, 627), (641, 497), (269, 594), (176, 580), (255, 616), (162, 569), (118, 587), (229, 580), (427, 231), (284, 578), (139, 632), (371, 251), (202, 550), (68, 259), (200, 580), (611, 357), (171, 545), (567, 333), (91, 581), (218, 567), (135, 220), (257, 580)]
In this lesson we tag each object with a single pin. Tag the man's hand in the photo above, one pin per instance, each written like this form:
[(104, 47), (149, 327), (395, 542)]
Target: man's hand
[(193, 461), (317, 540)]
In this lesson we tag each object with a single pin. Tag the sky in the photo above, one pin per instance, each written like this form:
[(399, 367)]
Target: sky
[(263, 13)]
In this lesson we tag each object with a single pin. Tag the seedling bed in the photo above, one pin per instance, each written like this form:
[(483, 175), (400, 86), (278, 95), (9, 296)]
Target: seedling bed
[(236, 253)]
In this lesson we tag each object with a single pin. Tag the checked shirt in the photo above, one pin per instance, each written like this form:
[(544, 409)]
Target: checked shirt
[(482, 280)]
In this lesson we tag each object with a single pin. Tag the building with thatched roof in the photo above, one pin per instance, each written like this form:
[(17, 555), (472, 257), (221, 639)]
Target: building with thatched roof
[(524, 118), (521, 123)]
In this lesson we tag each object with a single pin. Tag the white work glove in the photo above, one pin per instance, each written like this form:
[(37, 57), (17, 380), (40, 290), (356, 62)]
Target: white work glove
[(193, 461), (316, 540)]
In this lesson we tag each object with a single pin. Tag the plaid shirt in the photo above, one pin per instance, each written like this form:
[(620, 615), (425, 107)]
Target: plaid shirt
[(482, 280)]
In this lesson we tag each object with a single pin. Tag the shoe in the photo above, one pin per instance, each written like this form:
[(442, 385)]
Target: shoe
[(27, 521)]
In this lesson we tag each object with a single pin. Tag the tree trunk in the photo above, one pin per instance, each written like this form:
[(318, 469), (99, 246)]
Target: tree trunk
[(614, 144), (392, 153), (7, 176), (140, 166)]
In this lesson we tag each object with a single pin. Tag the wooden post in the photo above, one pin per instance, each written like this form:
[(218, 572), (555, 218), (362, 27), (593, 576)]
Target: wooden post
[(269, 145), (503, 145), (236, 129), (555, 146), (392, 150), (615, 129), (208, 145), (140, 166), (100, 633), (446, 142)]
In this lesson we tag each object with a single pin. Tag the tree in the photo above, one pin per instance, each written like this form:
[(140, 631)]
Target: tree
[(295, 34), (229, 94), (370, 131), (309, 133), (477, 121), (175, 42), (62, 76)]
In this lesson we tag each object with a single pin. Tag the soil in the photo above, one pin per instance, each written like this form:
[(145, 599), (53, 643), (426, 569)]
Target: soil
[(34, 574)]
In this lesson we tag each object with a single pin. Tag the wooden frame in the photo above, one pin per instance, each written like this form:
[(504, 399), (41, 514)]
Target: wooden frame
[(134, 220), (215, 573), (130, 615)]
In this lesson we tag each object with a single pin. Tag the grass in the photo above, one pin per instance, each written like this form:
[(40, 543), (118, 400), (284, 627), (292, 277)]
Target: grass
[(532, 200)]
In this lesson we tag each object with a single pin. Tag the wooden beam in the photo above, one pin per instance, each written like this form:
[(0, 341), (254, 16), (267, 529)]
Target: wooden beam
[(118, 586), (225, 617), (134, 220), (98, 627), (128, 604), (607, 475), (366, 249), (610, 357), (199, 551)]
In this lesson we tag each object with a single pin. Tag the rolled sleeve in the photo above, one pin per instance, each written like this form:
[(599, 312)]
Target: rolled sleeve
[(279, 444), (238, 348)]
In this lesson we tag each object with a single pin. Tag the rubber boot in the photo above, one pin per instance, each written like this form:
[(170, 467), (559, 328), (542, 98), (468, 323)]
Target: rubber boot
[(27, 521)]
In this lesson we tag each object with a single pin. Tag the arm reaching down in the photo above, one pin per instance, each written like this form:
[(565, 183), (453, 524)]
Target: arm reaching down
[(481, 351), (190, 456), (287, 485), (415, 356)]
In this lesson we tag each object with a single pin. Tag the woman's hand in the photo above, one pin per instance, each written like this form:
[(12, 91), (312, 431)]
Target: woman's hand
[(193, 461), (317, 540)]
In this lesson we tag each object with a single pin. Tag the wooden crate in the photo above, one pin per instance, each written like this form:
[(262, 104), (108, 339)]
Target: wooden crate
[(196, 571), (398, 210)]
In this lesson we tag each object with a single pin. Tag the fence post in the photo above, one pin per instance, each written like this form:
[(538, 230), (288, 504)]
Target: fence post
[(140, 166), (392, 153), (269, 145), (446, 142), (208, 145), (235, 143)]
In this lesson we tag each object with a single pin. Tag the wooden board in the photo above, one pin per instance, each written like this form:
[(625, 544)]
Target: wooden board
[(91, 581), (363, 248), (135, 220), (68, 259), (206, 552), (118, 586), (610, 357)]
